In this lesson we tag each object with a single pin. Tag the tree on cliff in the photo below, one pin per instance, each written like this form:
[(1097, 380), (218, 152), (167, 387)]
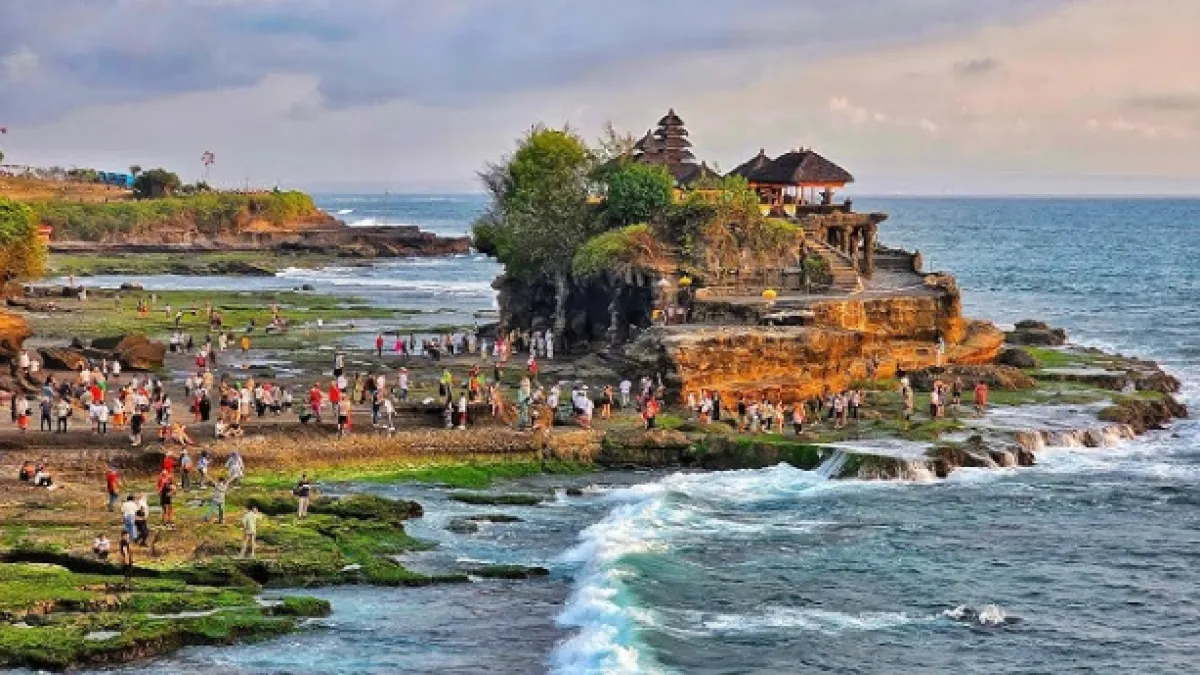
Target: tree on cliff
[(637, 193), (539, 212), (156, 183), (22, 253), (134, 170)]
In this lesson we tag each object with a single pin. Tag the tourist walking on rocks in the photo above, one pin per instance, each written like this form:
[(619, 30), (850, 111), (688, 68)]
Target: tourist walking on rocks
[(202, 463), (216, 503), (62, 411), (403, 385), (379, 346), (112, 486), (343, 417), (650, 412), (125, 553), (389, 414), (303, 493), (166, 495), (798, 415), (981, 397), (185, 469), (140, 523), (956, 393), (314, 401), (235, 468), (129, 514), (906, 392), (46, 407), (625, 388), (250, 531), (606, 402)]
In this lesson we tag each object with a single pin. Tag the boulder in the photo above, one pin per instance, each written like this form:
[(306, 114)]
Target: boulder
[(13, 331), (1017, 358), (1001, 378), (1036, 333), (62, 358), (107, 343), (131, 286), (137, 352)]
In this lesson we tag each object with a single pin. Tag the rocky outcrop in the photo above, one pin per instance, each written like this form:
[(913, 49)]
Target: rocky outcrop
[(13, 332), (1142, 415), (1036, 333), (62, 358), (137, 352), (1017, 358), (1005, 378), (795, 362)]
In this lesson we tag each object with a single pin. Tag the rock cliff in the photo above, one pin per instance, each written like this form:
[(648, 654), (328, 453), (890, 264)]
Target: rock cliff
[(800, 362)]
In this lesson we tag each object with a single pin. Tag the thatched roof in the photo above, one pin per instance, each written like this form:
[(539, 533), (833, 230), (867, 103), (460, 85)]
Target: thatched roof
[(687, 175), (800, 166), (753, 164)]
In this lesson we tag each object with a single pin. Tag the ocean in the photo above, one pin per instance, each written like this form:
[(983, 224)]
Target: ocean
[(1086, 563)]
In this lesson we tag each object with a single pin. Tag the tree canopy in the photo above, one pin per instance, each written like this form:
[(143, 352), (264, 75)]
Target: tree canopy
[(155, 183), (539, 212), (637, 193), (22, 254)]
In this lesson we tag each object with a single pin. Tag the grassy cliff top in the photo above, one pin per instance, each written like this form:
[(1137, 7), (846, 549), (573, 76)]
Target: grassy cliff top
[(209, 213)]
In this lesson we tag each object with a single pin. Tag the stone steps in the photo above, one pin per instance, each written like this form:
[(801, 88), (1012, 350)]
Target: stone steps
[(845, 277)]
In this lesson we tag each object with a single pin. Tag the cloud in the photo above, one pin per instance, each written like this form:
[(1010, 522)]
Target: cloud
[(977, 67), (18, 65), (365, 52), (1165, 103)]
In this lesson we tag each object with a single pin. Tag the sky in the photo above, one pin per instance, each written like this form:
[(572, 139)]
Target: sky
[(911, 96)]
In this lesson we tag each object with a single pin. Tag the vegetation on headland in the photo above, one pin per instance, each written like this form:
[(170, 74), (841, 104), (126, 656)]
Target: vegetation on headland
[(22, 252), (561, 211), (210, 213)]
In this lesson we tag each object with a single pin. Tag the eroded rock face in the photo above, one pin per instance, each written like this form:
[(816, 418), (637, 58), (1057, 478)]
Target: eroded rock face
[(792, 363), (59, 358), (137, 352), (13, 332)]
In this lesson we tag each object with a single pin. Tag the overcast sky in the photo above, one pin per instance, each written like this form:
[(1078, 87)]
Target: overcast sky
[(912, 96)]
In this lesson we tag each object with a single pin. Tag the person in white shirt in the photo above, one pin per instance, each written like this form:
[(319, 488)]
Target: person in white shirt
[(626, 386)]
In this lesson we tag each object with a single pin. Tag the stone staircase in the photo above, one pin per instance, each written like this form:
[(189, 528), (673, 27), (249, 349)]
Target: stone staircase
[(845, 276)]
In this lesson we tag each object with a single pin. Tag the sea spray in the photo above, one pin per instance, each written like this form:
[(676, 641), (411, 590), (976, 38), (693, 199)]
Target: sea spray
[(645, 520)]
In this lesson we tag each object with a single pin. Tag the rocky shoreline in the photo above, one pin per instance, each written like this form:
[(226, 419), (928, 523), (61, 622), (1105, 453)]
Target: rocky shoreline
[(67, 609)]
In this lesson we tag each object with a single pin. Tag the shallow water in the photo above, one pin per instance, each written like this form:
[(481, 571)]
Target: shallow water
[(1086, 563)]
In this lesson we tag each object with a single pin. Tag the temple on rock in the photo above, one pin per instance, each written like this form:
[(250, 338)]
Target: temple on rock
[(755, 282), (798, 185)]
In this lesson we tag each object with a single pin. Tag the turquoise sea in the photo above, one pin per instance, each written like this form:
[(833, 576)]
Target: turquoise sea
[(1086, 563)]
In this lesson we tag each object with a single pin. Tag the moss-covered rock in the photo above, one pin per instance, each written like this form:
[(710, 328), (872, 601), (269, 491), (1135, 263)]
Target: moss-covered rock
[(483, 499)]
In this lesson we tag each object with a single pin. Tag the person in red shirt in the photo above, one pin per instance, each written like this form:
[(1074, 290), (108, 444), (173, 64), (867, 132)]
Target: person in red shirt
[(379, 345), (335, 394), (314, 401), (97, 395), (981, 397), (650, 412), (112, 484), (168, 466)]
